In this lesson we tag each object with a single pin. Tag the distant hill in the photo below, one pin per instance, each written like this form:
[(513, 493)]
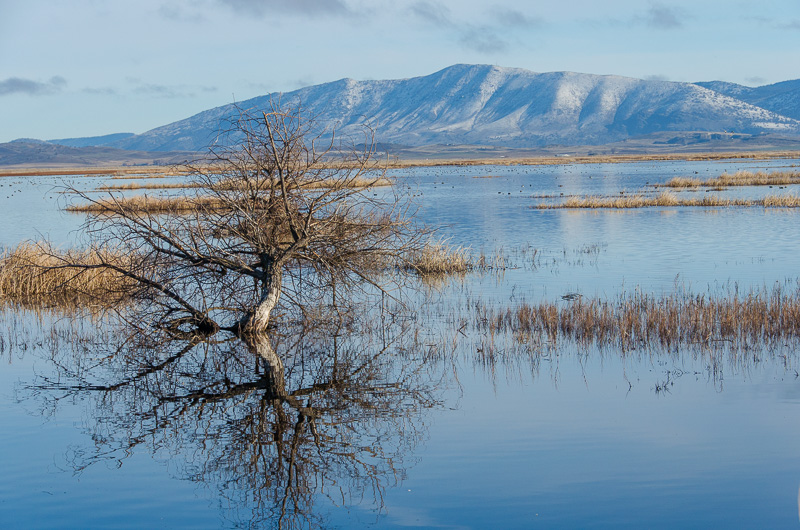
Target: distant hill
[(43, 154), (510, 107), (92, 141)]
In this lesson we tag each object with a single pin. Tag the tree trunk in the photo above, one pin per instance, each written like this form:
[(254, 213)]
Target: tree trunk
[(260, 345), (257, 320)]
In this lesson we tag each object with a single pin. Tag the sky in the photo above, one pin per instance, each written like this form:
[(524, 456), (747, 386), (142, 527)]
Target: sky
[(74, 68)]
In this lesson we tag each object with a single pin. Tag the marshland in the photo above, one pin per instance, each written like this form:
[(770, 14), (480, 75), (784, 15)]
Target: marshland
[(563, 365)]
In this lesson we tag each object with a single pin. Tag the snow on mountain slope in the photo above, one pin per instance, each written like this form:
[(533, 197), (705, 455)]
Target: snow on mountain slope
[(489, 105), (781, 98)]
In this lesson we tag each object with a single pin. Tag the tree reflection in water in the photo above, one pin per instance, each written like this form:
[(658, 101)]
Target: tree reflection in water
[(276, 425)]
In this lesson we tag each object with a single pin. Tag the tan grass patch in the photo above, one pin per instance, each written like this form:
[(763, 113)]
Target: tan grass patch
[(31, 274), (740, 178), (438, 258), (547, 160), (223, 185), (669, 199), (147, 204), (141, 186), (639, 319)]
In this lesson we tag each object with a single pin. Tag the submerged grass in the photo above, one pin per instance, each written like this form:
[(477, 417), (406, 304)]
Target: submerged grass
[(670, 199), (740, 178), (634, 320)]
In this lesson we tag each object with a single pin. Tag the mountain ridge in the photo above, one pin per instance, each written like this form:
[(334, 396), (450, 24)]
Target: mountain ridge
[(507, 107), (782, 98)]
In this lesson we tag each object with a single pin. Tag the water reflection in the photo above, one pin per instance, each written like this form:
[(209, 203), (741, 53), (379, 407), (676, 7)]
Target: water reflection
[(283, 431)]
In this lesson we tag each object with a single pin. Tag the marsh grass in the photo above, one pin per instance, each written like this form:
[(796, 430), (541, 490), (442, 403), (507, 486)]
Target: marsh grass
[(740, 178), (223, 185), (437, 258), (142, 186), (32, 274), (179, 203), (549, 160), (145, 203), (669, 199), (36, 275), (638, 320)]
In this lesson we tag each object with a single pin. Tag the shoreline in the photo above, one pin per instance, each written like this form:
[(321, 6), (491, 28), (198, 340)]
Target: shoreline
[(550, 160)]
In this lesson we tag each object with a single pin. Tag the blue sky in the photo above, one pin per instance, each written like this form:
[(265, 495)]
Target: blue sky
[(71, 68)]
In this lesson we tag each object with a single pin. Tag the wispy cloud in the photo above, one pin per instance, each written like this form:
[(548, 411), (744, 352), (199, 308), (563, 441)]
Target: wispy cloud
[(168, 91), (516, 19), (18, 85), (656, 77), (105, 91), (755, 80), (659, 16), (793, 24), (309, 8), (433, 12), (176, 13), (302, 82), (481, 38)]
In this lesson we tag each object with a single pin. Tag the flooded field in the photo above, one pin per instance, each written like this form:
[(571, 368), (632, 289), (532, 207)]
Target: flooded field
[(441, 419)]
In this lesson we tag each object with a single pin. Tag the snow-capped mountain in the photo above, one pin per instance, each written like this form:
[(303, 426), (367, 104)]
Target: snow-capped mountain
[(511, 107), (782, 98)]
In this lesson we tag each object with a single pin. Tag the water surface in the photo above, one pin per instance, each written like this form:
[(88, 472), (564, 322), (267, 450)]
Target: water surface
[(551, 436)]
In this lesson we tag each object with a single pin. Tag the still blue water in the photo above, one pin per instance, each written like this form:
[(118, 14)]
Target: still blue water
[(571, 439)]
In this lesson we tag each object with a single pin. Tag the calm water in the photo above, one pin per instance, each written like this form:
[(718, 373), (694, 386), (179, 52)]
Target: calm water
[(555, 438)]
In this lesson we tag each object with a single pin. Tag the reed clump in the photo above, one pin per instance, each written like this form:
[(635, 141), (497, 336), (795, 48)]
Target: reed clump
[(142, 186), (781, 201), (640, 320), (145, 203), (180, 203), (33, 274), (669, 199), (225, 185), (740, 178), (547, 159), (437, 258)]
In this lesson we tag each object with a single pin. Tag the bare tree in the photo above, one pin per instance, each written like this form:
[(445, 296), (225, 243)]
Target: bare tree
[(285, 214)]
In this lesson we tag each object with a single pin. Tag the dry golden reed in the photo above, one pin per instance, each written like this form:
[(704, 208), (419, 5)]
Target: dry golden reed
[(145, 203), (141, 186), (31, 274), (549, 160), (669, 199), (740, 178), (643, 320), (438, 258), (223, 185)]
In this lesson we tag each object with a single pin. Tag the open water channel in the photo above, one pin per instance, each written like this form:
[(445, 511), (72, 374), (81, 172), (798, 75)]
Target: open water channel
[(544, 436)]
